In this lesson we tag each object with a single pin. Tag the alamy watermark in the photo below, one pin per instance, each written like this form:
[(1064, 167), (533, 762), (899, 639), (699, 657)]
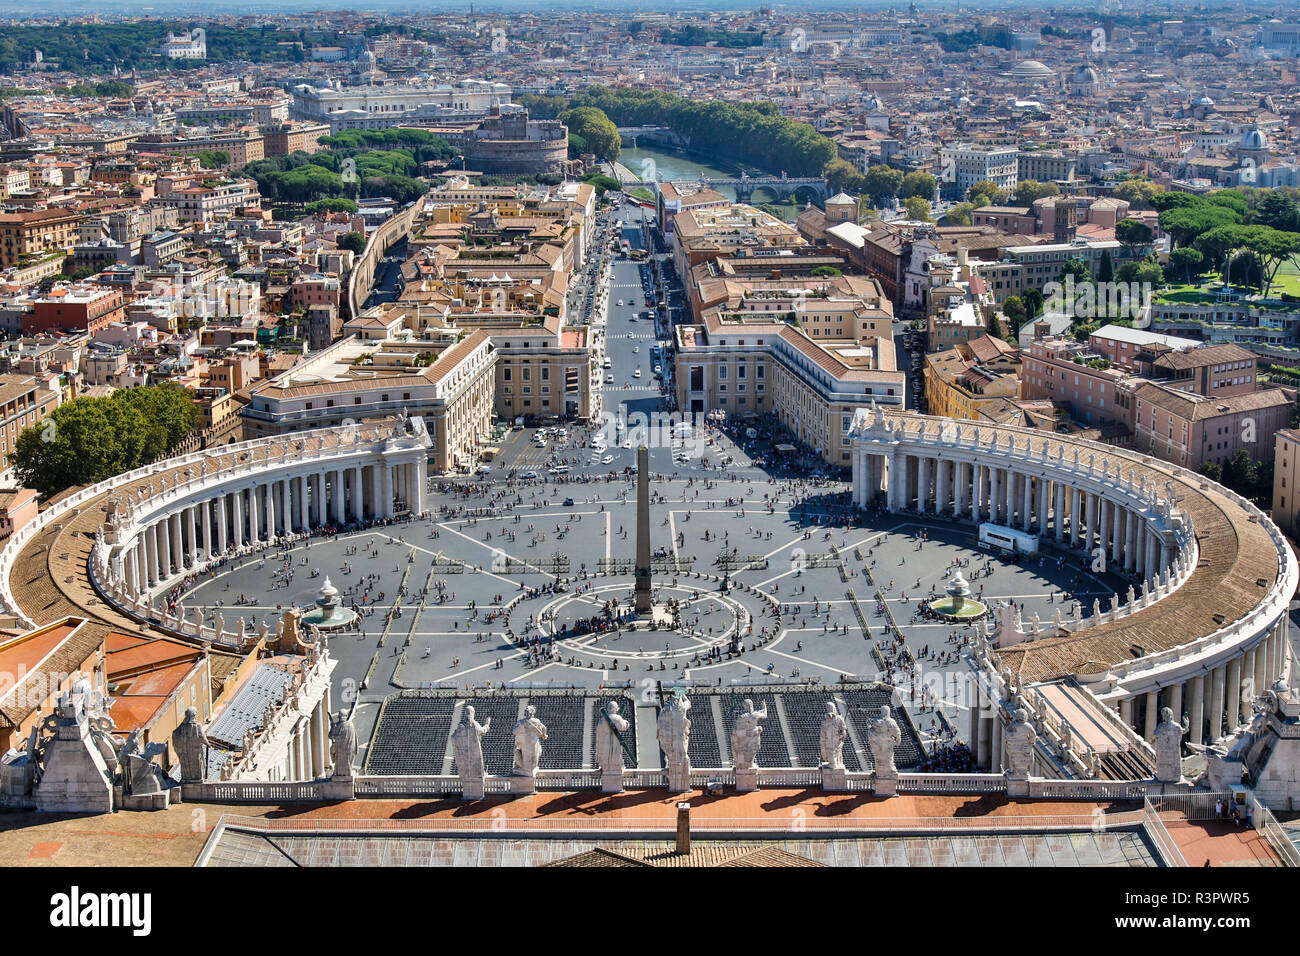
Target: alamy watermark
[(1100, 300)]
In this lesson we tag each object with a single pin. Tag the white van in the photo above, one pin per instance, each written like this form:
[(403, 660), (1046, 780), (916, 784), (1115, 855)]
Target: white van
[(609, 363)]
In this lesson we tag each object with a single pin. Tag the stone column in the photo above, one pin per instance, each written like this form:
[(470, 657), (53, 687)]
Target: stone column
[(1132, 521), (1058, 517), (385, 490), (979, 485), (1153, 711), (959, 489), (420, 478), (1104, 527), (1233, 688), (358, 503), (985, 737), (1176, 701), (1140, 557), (1196, 710), (1261, 666), (1126, 712), (221, 524), (1027, 518), (252, 515), (150, 538), (338, 514), (1216, 689), (996, 761), (237, 516), (1044, 504), (1152, 568), (995, 503), (205, 510), (922, 484), (269, 492), (1116, 533), (1249, 687), (1075, 523), (942, 495), (973, 728), (178, 546)]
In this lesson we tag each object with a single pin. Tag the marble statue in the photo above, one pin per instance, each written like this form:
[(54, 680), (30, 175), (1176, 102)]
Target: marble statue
[(833, 732), (343, 745), (1169, 747), (609, 746), (1018, 743), (529, 734), (883, 735), (747, 736), (191, 744), (467, 744), (673, 730), (140, 775)]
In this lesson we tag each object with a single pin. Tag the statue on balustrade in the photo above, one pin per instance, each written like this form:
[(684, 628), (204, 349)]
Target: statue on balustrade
[(343, 745), (1169, 747), (833, 732), (139, 774), (191, 746), (883, 735), (747, 736), (467, 745), (529, 734), (673, 730), (1018, 743), (609, 745)]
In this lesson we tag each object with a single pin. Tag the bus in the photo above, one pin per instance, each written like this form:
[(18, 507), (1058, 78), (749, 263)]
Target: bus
[(1008, 539)]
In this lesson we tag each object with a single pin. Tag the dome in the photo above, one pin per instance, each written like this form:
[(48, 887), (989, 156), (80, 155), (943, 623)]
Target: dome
[(1031, 69), (1086, 74), (1203, 101), (841, 199), (1253, 139)]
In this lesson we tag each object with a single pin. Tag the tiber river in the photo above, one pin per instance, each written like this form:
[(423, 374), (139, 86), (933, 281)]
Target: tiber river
[(675, 165)]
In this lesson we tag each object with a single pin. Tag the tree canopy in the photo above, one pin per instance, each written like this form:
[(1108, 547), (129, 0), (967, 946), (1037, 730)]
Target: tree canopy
[(92, 439)]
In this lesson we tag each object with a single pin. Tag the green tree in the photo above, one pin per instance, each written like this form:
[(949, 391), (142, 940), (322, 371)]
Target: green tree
[(918, 208), (92, 439), (1138, 193), (1186, 262), (1028, 190), (1278, 211), (1212, 470), (594, 126), (213, 158), (1133, 233), (992, 193), (882, 182), (1106, 268), (355, 241), (822, 271), (918, 183), (959, 214), (840, 174)]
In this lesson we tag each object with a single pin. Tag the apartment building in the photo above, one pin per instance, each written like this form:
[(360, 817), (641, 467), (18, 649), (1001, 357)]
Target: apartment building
[(449, 385), (748, 365), (34, 231)]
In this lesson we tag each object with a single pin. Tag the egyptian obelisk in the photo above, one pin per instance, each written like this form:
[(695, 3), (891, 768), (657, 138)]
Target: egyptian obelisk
[(642, 531)]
